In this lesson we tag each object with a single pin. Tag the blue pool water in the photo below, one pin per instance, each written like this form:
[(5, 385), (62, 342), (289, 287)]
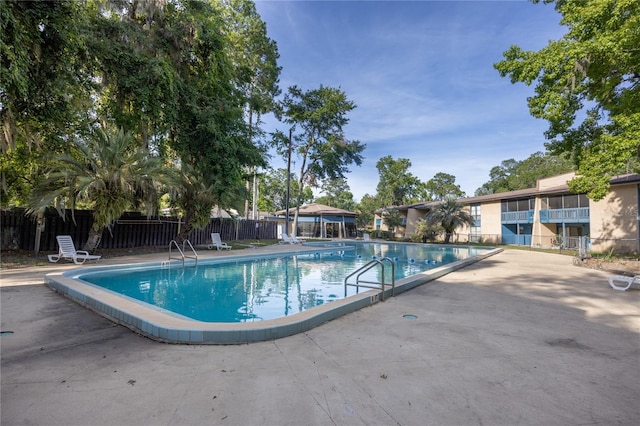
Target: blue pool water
[(245, 290)]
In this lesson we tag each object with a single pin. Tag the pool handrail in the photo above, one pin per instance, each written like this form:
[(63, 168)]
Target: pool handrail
[(181, 251), (377, 285)]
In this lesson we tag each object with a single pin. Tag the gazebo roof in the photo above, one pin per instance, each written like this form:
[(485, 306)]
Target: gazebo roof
[(315, 209)]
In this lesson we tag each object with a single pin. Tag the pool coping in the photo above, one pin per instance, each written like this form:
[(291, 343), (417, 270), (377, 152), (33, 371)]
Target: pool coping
[(163, 327)]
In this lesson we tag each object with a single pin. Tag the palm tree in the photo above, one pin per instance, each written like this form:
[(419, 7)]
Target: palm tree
[(108, 172), (449, 215), (194, 198)]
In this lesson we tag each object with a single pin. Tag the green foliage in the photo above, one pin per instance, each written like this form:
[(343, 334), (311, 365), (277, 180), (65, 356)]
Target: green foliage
[(273, 191), (337, 194), (193, 197), (512, 175), (449, 215), (20, 169), (43, 89), (393, 219), (366, 211), (179, 76), (42, 78), (108, 171), (397, 186), (254, 59), (427, 230), (588, 89), (253, 54), (443, 185), (325, 153)]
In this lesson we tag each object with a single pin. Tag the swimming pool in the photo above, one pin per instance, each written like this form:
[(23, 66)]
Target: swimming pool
[(242, 299)]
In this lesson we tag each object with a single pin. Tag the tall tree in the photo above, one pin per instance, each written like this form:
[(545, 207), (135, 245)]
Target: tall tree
[(443, 185), (254, 56), (167, 73), (162, 70), (44, 88), (324, 152), (393, 219), (366, 209), (337, 194), (107, 171), (512, 175), (449, 215), (588, 89), (397, 186)]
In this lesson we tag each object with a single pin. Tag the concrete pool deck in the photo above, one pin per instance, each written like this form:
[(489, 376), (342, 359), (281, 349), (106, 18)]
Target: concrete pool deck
[(518, 338)]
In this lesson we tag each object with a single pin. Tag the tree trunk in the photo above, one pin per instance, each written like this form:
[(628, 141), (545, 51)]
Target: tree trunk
[(186, 228), (95, 236), (447, 237), (294, 231)]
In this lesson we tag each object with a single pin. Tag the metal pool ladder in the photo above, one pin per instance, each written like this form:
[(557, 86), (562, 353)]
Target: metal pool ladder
[(185, 243), (373, 284)]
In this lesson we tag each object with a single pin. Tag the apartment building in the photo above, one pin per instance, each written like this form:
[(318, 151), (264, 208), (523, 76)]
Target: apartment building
[(548, 215)]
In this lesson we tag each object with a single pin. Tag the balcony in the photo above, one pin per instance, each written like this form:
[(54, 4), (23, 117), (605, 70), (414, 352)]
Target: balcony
[(576, 215), (525, 216)]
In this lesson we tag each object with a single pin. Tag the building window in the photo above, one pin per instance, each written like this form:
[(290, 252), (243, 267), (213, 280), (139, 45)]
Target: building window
[(565, 202), (518, 205), (570, 202), (476, 213), (555, 203), (583, 201), (475, 230)]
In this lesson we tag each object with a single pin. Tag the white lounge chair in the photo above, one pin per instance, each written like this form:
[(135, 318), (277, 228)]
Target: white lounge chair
[(285, 239), (365, 237), (296, 240), (67, 250), (217, 242), (623, 283)]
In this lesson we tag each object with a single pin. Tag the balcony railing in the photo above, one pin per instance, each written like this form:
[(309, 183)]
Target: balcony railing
[(525, 216), (575, 215)]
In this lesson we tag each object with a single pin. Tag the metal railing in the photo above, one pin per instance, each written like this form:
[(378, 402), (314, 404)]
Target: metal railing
[(185, 244), (372, 284)]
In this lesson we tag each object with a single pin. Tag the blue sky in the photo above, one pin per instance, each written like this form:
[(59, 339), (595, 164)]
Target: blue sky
[(421, 74)]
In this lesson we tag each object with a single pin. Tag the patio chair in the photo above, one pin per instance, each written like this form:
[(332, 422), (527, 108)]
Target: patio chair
[(366, 237), (67, 250), (296, 240), (623, 283), (217, 242), (285, 239)]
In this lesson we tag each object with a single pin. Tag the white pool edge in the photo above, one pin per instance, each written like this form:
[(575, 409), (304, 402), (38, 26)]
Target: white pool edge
[(161, 326)]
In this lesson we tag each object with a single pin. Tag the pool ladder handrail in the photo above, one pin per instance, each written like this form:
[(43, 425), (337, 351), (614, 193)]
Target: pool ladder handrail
[(375, 284), (181, 251)]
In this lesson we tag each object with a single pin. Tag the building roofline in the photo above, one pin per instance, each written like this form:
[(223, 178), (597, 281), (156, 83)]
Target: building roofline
[(521, 193)]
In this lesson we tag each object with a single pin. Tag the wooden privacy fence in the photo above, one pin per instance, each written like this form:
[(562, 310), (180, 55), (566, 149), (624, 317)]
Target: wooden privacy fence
[(19, 231)]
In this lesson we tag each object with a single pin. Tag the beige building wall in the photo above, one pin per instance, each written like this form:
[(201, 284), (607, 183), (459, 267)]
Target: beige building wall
[(491, 222), (614, 220), (413, 216), (399, 232), (462, 233), (383, 227), (554, 181), (543, 233)]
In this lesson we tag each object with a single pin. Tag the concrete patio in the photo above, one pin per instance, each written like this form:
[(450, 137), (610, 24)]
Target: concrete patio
[(519, 338)]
